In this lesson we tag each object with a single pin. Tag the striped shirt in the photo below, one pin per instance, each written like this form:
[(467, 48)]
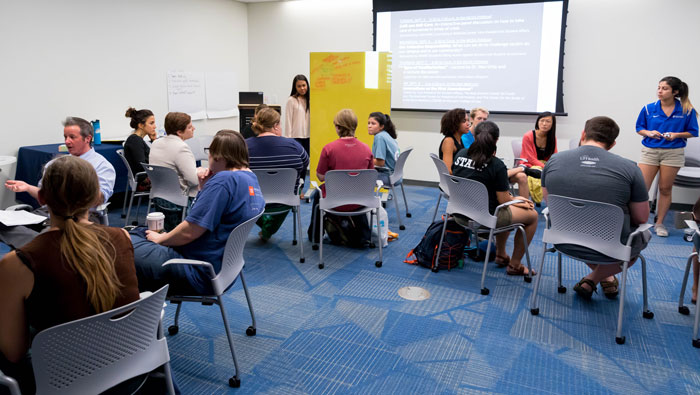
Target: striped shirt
[(273, 152)]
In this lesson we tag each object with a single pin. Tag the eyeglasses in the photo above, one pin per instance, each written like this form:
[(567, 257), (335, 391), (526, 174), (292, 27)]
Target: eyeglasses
[(206, 150)]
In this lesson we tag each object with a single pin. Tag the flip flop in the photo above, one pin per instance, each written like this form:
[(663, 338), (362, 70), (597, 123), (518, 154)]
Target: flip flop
[(519, 271), (502, 261)]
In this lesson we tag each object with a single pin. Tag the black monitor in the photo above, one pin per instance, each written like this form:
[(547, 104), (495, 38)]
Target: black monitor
[(250, 97)]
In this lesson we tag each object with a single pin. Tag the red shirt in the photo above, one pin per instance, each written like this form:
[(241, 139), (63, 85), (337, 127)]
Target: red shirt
[(344, 154)]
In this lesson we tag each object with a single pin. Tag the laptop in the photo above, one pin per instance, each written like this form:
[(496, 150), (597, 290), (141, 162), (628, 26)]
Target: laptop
[(250, 97)]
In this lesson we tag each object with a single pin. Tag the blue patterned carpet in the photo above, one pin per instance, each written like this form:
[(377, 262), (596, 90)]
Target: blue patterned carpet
[(344, 329)]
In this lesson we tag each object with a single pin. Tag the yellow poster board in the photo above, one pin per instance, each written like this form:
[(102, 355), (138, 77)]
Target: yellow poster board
[(360, 81)]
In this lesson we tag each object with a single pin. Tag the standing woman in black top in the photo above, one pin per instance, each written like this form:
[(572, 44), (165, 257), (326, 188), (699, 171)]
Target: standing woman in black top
[(453, 125), (135, 148)]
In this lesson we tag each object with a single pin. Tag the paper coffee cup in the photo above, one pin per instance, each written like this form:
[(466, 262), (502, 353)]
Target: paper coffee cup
[(155, 221)]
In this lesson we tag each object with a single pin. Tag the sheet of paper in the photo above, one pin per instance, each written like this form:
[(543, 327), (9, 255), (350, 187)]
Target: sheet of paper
[(20, 217), (186, 93)]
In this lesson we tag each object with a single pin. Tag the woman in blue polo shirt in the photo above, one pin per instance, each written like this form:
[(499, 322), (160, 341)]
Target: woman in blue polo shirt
[(665, 126)]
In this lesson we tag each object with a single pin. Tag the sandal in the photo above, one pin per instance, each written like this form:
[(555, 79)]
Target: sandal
[(502, 261), (610, 288), (518, 271), (583, 292)]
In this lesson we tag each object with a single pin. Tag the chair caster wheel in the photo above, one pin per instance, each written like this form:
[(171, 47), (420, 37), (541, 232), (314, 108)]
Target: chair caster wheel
[(535, 311), (696, 343), (561, 289), (314, 247), (620, 340), (402, 227), (434, 270), (250, 331), (372, 245), (173, 329), (484, 291), (294, 242), (234, 382), (684, 310), (378, 263), (320, 266), (408, 215), (648, 314), (301, 260), (123, 215), (527, 279)]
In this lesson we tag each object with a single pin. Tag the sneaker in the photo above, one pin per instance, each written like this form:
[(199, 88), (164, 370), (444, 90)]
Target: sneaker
[(660, 230)]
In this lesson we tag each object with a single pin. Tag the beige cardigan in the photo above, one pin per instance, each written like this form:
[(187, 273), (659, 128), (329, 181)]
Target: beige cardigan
[(296, 119), (172, 152)]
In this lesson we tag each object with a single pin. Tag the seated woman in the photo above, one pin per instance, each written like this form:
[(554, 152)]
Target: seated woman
[(453, 125), (479, 163), (136, 150), (538, 146), (73, 270), (229, 195), (269, 150), (347, 152), (171, 151), (385, 148)]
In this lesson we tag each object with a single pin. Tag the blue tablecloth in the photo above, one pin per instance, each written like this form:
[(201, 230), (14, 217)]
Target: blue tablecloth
[(31, 161)]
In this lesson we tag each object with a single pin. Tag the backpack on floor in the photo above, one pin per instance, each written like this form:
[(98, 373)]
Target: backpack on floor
[(452, 251), (351, 231)]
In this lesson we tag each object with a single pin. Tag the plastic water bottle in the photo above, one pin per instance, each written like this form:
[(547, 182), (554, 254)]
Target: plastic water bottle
[(98, 136)]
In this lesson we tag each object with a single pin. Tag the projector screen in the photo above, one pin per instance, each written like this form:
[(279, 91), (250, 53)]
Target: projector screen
[(506, 58)]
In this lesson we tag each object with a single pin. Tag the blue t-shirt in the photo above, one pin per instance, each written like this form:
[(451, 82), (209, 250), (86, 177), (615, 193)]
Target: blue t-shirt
[(467, 139), (385, 147), (652, 117), (228, 199)]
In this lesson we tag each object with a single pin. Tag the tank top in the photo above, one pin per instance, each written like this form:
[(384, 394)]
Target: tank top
[(458, 145), (59, 293)]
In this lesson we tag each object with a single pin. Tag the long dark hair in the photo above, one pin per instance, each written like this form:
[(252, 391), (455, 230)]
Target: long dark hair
[(551, 135), (385, 121), (450, 121), (482, 149), (677, 85), (307, 96)]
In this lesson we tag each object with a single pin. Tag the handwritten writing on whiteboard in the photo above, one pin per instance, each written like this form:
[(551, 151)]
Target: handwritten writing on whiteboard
[(186, 93)]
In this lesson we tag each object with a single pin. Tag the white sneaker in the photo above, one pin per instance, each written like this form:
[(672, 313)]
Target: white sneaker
[(660, 230)]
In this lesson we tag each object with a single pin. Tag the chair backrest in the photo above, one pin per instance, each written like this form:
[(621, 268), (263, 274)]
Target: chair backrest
[(350, 187), (165, 184), (573, 143), (93, 354), (469, 198), (277, 185), (232, 262), (9, 383), (586, 223), (130, 175), (692, 153), (517, 146), (442, 171), (397, 175)]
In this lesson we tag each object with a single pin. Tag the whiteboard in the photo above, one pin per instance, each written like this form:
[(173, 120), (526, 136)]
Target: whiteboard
[(186, 93), (221, 94)]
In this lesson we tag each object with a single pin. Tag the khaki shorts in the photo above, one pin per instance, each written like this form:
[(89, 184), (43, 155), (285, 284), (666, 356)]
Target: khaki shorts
[(505, 217), (672, 157)]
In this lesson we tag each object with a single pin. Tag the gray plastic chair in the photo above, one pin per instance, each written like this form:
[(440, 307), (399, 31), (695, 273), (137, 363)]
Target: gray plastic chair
[(277, 186), (10, 384), (517, 147), (131, 184), (345, 187), (165, 185), (597, 226), (442, 171), (93, 354), (471, 199), (231, 269), (199, 146), (684, 309), (396, 178)]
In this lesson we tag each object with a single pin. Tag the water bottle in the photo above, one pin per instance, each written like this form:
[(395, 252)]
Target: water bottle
[(98, 136)]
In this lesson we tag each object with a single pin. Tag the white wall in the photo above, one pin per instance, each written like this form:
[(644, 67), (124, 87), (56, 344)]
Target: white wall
[(616, 51), (95, 58)]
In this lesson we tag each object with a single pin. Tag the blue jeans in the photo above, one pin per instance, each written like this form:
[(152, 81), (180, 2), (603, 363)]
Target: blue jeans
[(152, 275)]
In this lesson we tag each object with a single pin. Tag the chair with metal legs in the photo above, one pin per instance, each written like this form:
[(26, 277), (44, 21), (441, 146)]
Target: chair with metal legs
[(231, 269), (397, 178), (277, 187), (131, 184), (597, 226), (9, 383), (684, 309), (470, 198), (165, 185), (350, 187), (442, 171)]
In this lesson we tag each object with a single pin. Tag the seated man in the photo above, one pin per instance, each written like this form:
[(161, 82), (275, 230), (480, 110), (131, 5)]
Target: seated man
[(269, 150), (78, 135), (229, 195), (590, 172), (517, 174)]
